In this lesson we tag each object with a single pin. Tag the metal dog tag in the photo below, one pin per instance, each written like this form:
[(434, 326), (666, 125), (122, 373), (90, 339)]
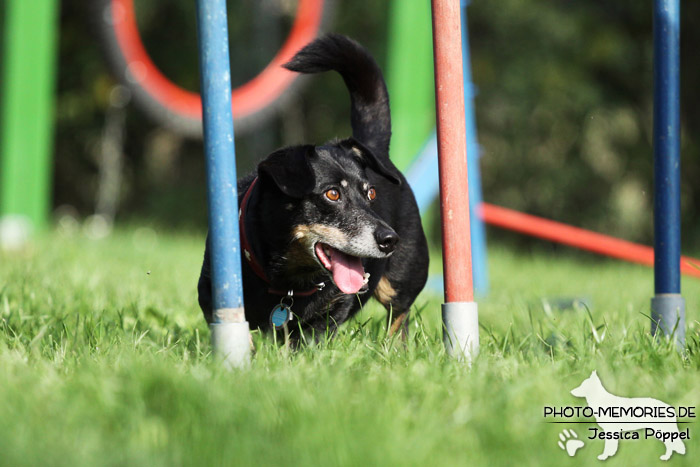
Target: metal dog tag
[(280, 316)]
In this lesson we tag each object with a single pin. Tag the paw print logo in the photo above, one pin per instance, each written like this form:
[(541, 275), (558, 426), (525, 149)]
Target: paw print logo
[(569, 442)]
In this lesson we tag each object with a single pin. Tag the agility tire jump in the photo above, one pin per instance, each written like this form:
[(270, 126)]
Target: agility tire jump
[(181, 110)]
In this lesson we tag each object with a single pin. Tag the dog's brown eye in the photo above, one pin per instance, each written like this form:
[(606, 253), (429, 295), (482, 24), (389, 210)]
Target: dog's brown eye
[(371, 194), (333, 194)]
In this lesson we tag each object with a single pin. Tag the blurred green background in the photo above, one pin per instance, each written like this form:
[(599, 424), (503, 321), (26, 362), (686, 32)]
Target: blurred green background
[(564, 108)]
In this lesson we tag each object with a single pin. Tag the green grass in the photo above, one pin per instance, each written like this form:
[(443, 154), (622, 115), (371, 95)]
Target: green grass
[(105, 360)]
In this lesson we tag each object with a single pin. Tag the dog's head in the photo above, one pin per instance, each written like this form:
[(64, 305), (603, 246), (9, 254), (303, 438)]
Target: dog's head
[(587, 386), (327, 192)]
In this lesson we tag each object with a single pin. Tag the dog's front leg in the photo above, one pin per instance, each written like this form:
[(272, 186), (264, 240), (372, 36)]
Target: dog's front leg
[(399, 323), (609, 450)]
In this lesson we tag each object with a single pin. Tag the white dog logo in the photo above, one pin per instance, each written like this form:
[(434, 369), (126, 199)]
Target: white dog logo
[(617, 415)]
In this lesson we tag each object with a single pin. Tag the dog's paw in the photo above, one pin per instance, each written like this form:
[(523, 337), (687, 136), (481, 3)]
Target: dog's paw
[(569, 442)]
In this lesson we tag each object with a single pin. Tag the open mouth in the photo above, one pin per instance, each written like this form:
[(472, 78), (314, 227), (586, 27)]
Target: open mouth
[(347, 271)]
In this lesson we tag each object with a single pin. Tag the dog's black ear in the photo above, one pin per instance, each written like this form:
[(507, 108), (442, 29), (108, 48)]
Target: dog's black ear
[(290, 170), (371, 160)]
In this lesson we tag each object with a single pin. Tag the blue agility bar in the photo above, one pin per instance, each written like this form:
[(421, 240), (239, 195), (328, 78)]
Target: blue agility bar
[(230, 333), (668, 308), (422, 175), (478, 232)]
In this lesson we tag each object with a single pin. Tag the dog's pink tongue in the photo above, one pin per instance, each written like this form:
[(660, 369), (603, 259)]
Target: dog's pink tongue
[(348, 273)]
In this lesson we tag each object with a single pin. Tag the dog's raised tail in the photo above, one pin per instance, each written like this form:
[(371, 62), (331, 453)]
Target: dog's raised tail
[(370, 117)]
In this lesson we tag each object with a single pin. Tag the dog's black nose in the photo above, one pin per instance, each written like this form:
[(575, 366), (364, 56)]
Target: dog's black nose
[(386, 240)]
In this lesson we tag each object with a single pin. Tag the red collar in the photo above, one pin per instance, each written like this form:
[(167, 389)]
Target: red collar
[(250, 256)]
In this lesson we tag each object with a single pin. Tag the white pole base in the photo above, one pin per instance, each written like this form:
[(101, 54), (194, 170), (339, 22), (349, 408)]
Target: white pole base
[(231, 343), (668, 317), (15, 231), (461, 330)]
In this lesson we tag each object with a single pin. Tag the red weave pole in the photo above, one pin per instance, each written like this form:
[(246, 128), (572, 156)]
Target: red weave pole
[(452, 151), (577, 237)]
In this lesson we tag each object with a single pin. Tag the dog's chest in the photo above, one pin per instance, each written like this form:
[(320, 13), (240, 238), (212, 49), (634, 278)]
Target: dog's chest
[(325, 309)]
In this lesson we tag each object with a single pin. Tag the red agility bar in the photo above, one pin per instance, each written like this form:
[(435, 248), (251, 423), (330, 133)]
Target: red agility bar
[(452, 151), (577, 237)]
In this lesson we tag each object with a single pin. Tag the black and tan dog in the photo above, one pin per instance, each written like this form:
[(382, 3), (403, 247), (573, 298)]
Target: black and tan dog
[(332, 224)]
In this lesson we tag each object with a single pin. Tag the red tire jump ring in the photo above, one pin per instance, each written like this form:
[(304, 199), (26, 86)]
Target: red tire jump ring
[(247, 99)]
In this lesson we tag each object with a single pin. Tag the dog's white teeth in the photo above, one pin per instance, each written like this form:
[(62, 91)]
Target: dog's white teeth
[(365, 278)]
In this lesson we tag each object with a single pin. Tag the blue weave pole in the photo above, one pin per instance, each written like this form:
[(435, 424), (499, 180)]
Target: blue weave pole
[(230, 331), (668, 307), (478, 232)]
